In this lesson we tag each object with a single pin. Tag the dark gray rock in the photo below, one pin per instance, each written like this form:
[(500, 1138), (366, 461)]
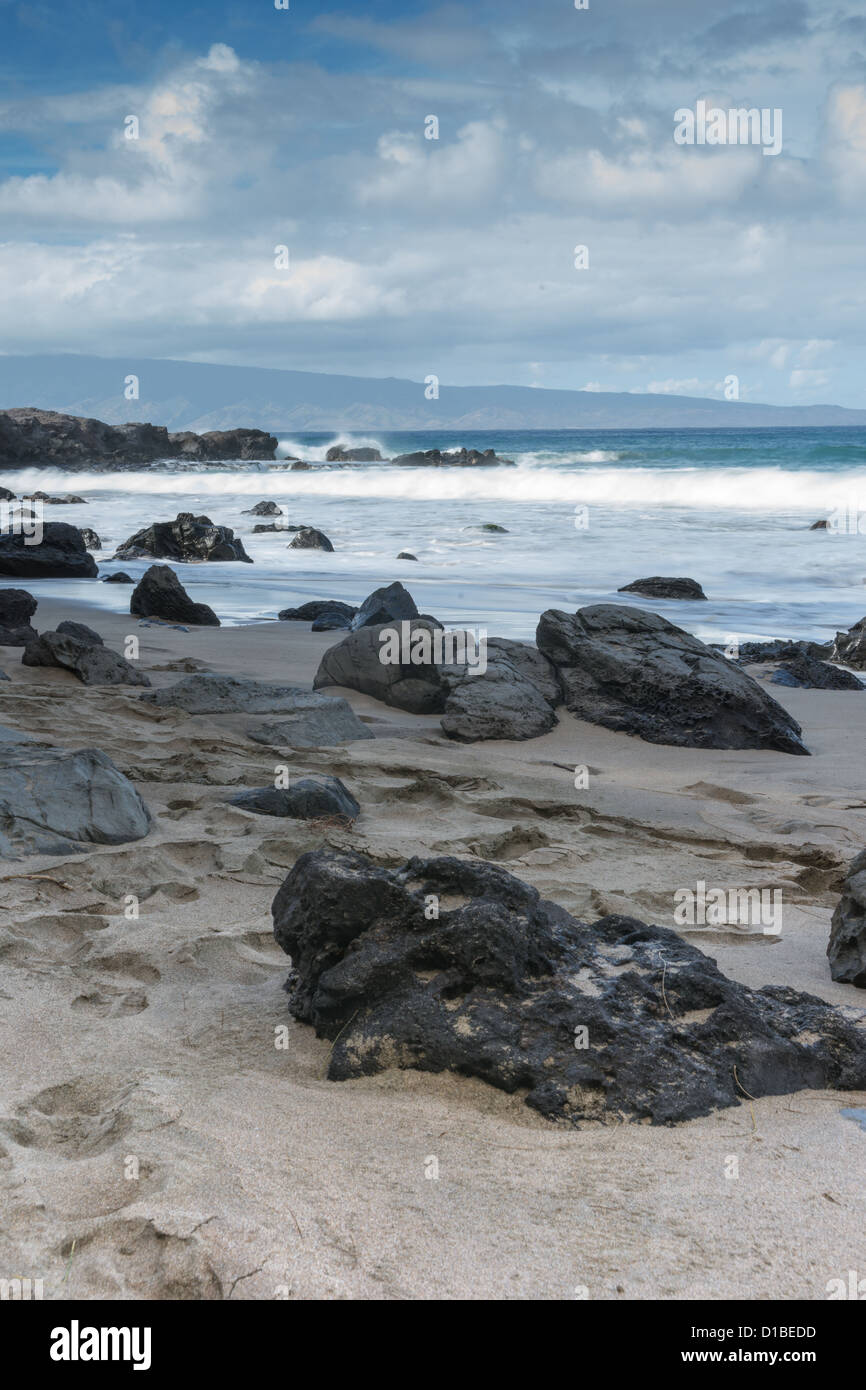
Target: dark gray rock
[(754, 653), (308, 538), (187, 538), (803, 671), (218, 445), (30, 437), (338, 455), (264, 509), (309, 612), (331, 621), (6, 495), (406, 555), (61, 554), (514, 698), (392, 604), (308, 720), (53, 801), (160, 594), (850, 646), (659, 587), (458, 458), (355, 663), (847, 948), (591, 1021), (635, 672), (81, 632), (121, 577), (267, 527), (16, 609), (310, 798), (90, 538), (89, 660)]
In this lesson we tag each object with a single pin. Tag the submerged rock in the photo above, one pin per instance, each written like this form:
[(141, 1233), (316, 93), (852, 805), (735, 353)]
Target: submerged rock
[(847, 947), (308, 538), (266, 508), (61, 554), (160, 594), (309, 798), (634, 672), (659, 587), (593, 1021), (53, 801), (187, 538)]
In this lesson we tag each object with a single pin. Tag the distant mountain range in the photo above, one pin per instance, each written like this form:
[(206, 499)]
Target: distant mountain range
[(200, 396)]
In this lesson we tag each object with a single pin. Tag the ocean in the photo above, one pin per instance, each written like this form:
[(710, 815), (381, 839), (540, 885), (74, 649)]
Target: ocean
[(584, 512)]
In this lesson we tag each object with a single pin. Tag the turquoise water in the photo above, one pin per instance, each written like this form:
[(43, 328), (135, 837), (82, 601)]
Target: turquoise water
[(585, 512)]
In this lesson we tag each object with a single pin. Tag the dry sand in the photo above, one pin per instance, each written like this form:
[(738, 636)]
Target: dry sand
[(148, 1046)]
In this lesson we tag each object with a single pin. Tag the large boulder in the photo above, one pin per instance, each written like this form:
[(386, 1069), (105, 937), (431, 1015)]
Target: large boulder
[(16, 609), (60, 554), (847, 948), (850, 646), (309, 798), (391, 604), (514, 698), (355, 663), (160, 594), (91, 661), (635, 672), (307, 720), (187, 538), (659, 587), (218, 445), (53, 801), (308, 538), (590, 1021)]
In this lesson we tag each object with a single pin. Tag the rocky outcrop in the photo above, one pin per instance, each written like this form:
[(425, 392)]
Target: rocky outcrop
[(336, 454), (53, 801), (847, 948), (308, 538), (310, 798), (808, 674), (458, 458), (61, 554), (16, 609), (444, 965), (307, 720), (188, 538), (88, 659), (850, 646), (633, 671), (658, 587), (38, 438), (160, 594)]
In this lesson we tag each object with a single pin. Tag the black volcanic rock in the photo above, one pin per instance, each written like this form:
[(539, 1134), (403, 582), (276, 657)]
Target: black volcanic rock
[(160, 594), (635, 672), (592, 1021), (391, 604), (847, 947), (81, 632), (119, 577), (309, 612), (414, 686), (88, 659), (90, 538), (308, 798), (804, 672), (363, 455), (658, 587), (30, 437), (308, 538), (459, 458), (187, 538), (61, 554), (220, 445), (850, 646), (264, 509), (16, 609)]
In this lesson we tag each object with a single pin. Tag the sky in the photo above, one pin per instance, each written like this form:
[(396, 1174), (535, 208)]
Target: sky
[(306, 128)]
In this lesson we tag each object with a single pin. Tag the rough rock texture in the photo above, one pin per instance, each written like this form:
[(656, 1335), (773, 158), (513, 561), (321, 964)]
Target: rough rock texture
[(309, 612), (639, 674), (502, 984), (268, 527), (338, 455), (850, 646), (61, 554), (459, 458), (188, 538), (32, 438), (354, 663), (513, 699), (307, 720), (160, 594), (89, 660), (308, 538), (847, 948), (16, 609), (53, 801), (331, 621), (264, 509), (90, 538), (310, 798), (658, 587), (80, 631), (391, 604), (809, 674), (756, 652)]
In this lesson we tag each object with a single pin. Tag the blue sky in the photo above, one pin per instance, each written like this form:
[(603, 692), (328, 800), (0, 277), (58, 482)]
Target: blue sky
[(455, 256)]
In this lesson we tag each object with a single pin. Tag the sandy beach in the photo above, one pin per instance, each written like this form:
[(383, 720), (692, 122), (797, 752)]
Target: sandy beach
[(155, 1140)]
